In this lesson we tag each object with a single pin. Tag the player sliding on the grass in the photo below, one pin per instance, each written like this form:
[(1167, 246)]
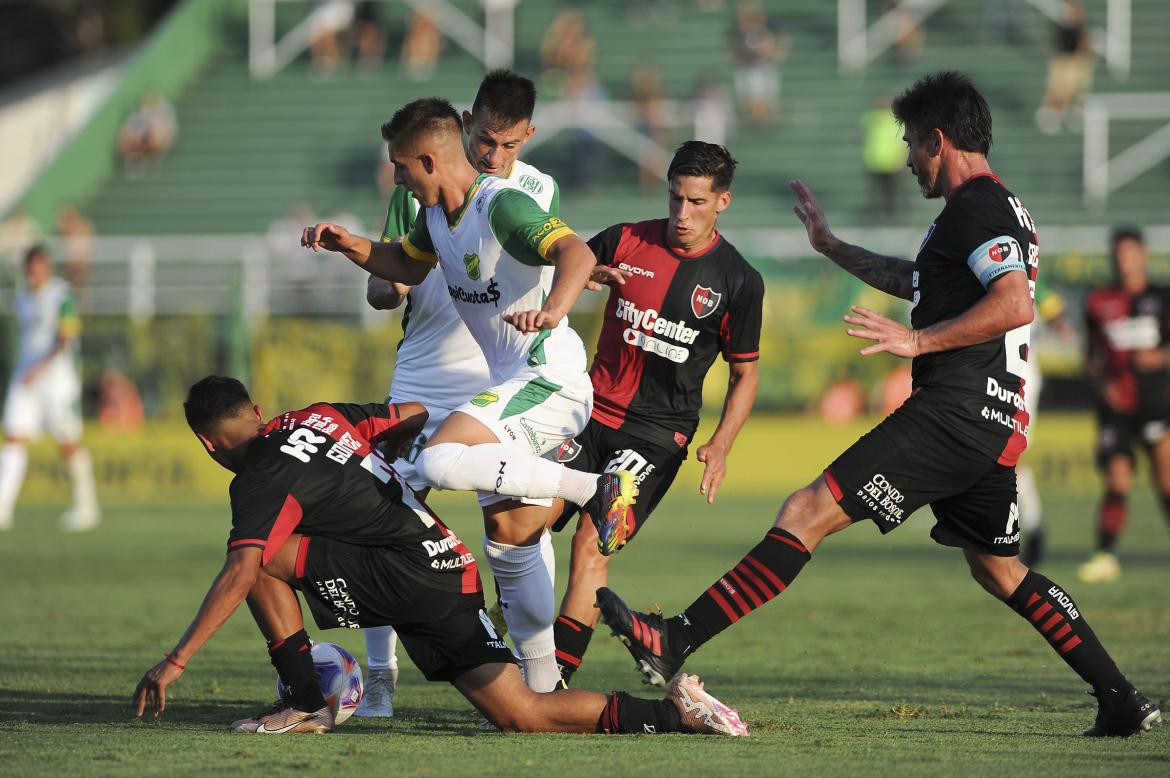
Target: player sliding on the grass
[(689, 296), (497, 249), (316, 508), (955, 442)]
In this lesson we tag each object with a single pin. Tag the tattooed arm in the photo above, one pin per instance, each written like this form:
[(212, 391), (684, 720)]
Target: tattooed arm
[(887, 274)]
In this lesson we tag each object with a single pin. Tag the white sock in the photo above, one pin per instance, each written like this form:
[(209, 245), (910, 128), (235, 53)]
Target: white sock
[(577, 487), (490, 467), (524, 576), (80, 468), (1028, 499), (13, 466), (381, 645)]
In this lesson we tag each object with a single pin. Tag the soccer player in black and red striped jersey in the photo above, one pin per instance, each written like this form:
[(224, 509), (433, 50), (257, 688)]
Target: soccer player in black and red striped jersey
[(687, 297), (1128, 338), (316, 508), (954, 443)]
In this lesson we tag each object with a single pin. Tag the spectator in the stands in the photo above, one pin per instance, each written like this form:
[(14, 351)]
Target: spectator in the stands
[(421, 47), (1070, 70), (76, 234), (909, 34), (650, 114), (566, 51), (884, 156), (148, 133), (758, 51), (369, 34), (714, 114)]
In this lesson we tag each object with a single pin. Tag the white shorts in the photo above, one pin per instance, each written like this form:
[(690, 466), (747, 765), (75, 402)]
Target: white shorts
[(51, 403), (533, 413)]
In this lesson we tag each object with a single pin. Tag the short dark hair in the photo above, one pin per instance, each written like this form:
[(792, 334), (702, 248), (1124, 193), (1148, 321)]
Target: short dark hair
[(947, 101), (1126, 232), (504, 98), (705, 160), (34, 251), (422, 116), (213, 399)]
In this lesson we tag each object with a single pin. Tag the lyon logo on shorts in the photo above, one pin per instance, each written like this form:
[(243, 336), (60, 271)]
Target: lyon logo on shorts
[(704, 301)]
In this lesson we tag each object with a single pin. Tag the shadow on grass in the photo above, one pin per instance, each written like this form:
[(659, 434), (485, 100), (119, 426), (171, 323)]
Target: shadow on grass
[(21, 708)]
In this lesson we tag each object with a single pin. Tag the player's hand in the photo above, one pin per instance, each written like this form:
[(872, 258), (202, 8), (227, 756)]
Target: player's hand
[(153, 688), (328, 236), (604, 275), (808, 210), (1149, 360), (714, 457), (889, 335), (1113, 396), (533, 321)]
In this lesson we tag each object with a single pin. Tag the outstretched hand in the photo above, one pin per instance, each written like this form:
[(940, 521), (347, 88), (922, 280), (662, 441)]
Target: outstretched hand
[(153, 688), (328, 236), (604, 275), (888, 335), (714, 459), (808, 210)]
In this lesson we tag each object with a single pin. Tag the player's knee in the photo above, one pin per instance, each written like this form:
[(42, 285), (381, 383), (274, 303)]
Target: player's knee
[(437, 463), (998, 580), (803, 512)]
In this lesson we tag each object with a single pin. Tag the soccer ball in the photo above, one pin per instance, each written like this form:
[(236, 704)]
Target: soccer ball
[(340, 677)]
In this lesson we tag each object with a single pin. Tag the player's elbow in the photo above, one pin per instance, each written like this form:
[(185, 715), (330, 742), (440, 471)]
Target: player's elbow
[(1022, 312)]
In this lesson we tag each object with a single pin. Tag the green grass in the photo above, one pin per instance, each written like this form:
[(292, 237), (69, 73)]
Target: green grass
[(883, 658)]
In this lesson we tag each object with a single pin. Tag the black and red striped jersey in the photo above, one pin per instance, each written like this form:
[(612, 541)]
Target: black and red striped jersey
[(1117, 325), (983, 233), (316, 472), (664, 327)]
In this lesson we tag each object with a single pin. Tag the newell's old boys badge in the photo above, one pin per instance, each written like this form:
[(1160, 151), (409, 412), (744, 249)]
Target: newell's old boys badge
[(704, 301), (471, 262), (568, 451)]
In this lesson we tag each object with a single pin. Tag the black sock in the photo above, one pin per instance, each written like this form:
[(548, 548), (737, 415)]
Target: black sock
[(766, 571), (626, 715), (1055, 616), (572, 638), (293, 660), (1111, 520)]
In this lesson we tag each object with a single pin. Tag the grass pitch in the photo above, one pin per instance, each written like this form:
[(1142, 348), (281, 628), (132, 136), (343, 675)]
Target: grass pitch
[(883, 658)]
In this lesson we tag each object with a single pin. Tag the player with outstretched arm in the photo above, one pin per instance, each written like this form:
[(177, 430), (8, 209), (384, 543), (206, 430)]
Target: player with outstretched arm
[(954, 443), (316, 509), (513, 271)]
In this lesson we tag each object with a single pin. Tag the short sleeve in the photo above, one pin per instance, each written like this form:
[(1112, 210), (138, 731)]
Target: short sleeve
[(68, 320), (739, 334), (554, 205), (989, 236), (604, 244), (400, 214), (257, 503), (524, 229), (417, 244), (373, 421)]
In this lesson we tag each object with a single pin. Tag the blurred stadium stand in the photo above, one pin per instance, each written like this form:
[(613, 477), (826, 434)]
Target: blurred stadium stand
[(250, 148)]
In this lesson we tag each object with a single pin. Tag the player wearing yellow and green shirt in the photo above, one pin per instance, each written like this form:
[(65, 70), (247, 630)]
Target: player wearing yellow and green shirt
[(438, 362), (44, 393)]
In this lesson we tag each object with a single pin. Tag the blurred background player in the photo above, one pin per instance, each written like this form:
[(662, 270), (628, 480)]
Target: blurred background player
[(316, 509), (1128, 341), (44, 393), (1049, 313), (438, 362), (648, 378), (954, 443), (497, 250)]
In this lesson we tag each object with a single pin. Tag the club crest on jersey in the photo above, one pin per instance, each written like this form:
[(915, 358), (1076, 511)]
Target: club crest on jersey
[(530, 184), (471, 262), (568, 451), (1000, 252), (704, 301)]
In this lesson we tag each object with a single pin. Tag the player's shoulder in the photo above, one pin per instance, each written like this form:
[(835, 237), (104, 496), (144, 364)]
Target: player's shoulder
[(532, 180), (1103, 296)]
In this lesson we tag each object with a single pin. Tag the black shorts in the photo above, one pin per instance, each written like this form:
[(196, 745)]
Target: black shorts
[(915, 457), (602, 449), (445, 633), (1117, 432)]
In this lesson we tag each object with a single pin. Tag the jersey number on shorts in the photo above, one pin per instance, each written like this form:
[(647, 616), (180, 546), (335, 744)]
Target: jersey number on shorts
[(626, 459)]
